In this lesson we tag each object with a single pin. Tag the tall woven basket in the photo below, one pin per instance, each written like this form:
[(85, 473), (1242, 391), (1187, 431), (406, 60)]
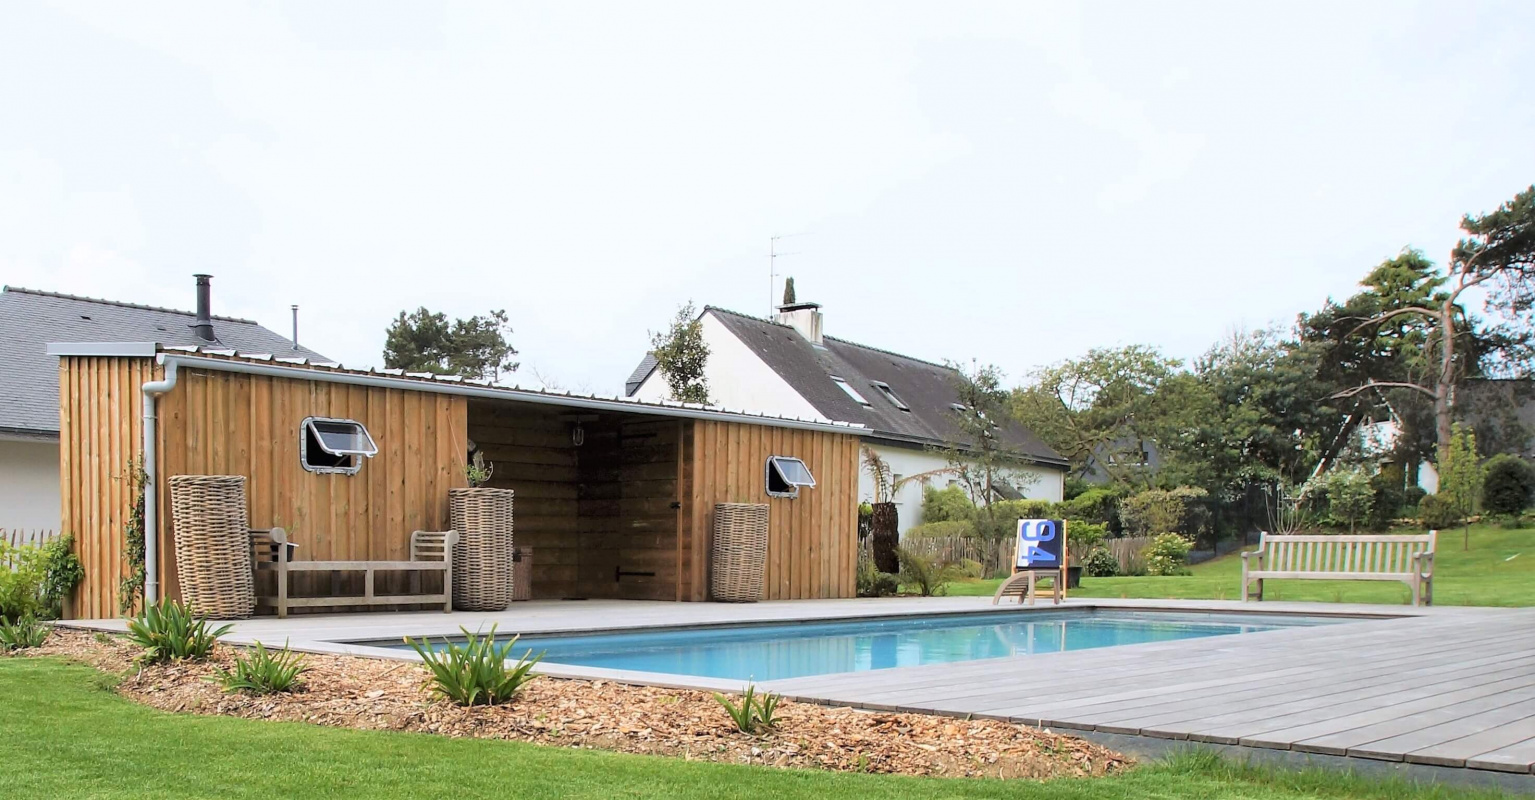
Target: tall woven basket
[(740, 552), (482, 559), (213, 549)]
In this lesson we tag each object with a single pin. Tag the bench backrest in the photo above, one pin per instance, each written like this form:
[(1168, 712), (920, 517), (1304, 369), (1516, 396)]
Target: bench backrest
[(1380, 553)]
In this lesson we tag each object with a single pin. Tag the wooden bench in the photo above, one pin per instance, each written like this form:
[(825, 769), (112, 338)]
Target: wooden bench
[(429, 552), (1408, 559)]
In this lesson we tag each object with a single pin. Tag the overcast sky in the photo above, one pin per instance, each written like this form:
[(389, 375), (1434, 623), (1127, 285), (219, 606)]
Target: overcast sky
[(1006, 182)]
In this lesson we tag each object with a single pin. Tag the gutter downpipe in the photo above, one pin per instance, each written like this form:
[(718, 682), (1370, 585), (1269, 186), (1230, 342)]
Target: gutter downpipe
[(152, 390)]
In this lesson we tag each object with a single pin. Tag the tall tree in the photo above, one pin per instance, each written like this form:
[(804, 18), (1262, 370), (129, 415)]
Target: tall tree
[(1460, 477), (682, 354), (1497, 255), (477, 347), (979, 457), (1098, 406)]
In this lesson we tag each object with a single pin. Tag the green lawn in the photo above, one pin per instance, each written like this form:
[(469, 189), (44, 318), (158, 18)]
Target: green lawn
[(64, 734), (1498, 570)]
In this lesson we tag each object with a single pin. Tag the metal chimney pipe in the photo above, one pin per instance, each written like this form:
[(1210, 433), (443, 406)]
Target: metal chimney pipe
[(295, 327), (203, 327)]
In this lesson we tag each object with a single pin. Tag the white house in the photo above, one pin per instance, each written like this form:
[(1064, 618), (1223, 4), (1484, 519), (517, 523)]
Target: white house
[(29, 378), (787, 366)]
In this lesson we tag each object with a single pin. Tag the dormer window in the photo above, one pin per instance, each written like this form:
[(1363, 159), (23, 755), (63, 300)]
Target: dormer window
[(334, 445), (851, 392), (884, 389)]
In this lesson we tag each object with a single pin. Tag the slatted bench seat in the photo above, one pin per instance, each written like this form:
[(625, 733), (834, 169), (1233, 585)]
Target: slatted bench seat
[(430, 551), (1405, 558)]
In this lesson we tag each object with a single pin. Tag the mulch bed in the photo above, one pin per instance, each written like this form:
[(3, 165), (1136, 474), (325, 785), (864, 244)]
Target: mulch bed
[(368, 694)]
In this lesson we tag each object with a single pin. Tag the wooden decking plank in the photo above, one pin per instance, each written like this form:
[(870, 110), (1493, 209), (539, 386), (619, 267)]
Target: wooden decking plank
[(1518, 757), (1295, 737), (1261, 698), (1363, 741), (1450, 744)]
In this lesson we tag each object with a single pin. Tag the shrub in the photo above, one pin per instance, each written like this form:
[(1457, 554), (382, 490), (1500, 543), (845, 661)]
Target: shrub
[(970, 568), (755, 712), (23, 633), (1100, 506), (475, 672), (1387, 497), (169, 631), (949, 504), (1084, 536), (62, 572), (1168, 554), (1437, 513), (1101, 564), (941, 530), (264, 672), (1350, 496), (22, 576), (930, 577), (873, 583), (1412, 496), (1155, 511), (1509, 486)]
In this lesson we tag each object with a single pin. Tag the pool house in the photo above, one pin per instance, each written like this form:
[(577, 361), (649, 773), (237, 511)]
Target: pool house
[(614, 499)]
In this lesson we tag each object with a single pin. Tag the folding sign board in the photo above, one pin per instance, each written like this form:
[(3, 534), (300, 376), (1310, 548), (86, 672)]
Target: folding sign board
[(1041, 544)]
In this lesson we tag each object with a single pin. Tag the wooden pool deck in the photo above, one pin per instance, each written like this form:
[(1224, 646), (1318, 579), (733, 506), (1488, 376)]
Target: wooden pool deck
[(1441, 686), (1447, 689)]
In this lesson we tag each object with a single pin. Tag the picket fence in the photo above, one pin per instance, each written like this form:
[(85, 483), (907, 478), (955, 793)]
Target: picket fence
[(19, 537), (995, 557)]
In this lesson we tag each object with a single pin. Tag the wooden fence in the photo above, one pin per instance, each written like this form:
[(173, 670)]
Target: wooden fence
[(996, 556), (18, 537)]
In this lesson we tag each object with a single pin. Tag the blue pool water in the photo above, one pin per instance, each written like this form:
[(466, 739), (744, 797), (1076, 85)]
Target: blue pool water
[(772, 652)]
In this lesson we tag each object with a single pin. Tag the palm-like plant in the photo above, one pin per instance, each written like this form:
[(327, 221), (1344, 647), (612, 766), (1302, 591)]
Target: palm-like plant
[(476, 672), (263, 672), (169, 631)]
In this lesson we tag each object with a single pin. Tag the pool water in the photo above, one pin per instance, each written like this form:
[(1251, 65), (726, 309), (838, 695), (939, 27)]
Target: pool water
[(776, 651)]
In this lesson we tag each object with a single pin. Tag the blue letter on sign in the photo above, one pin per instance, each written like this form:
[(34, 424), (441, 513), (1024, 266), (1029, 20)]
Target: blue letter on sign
[(1031, 531)]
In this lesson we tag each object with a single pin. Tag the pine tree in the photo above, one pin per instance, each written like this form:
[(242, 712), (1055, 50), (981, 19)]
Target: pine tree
[(788, 292)]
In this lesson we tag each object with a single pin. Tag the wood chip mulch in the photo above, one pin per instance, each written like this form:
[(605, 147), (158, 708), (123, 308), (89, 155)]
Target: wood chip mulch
[(369, 694)]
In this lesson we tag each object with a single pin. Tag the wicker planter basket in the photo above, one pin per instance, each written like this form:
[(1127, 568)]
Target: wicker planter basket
[(213, 551), (740, 552), (482, 559)]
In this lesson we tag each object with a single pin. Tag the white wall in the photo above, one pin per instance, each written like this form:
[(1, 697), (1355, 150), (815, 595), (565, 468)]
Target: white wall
[(29, 485), (738, 380), (1035, 484)]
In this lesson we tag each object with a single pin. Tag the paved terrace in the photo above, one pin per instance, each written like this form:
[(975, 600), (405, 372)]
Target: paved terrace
[(1441, 686)]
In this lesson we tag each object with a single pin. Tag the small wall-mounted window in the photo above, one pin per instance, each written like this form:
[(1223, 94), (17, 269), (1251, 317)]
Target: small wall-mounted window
[(884, 389), (334, 445), (786, 474)]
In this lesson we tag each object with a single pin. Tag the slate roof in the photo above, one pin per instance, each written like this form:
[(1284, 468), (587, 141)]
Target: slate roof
[(640, 373), (30, 320), (1502, 412), (927, 388)]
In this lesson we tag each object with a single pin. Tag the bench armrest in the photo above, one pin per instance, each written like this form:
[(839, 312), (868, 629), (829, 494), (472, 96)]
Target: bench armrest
[(1252, 554), (1425, 562)]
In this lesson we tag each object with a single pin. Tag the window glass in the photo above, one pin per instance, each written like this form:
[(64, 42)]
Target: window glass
[(851, 392)]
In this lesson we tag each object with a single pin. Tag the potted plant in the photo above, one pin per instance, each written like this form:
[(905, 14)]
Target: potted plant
[(1082, 538), (482, 558)]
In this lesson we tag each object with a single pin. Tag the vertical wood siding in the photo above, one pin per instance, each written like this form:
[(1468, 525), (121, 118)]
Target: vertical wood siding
[(812, 539), (100, 434), (224, 423)]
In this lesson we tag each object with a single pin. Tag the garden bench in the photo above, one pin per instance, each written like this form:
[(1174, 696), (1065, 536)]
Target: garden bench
[(1405, 558), (429, 552)]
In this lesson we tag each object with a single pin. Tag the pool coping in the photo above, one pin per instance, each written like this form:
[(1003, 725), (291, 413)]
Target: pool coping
[(439, 625)]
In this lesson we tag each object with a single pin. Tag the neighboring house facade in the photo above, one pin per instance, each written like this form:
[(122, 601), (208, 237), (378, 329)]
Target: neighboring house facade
[(1128, 455), (29, 388), (787, 366)]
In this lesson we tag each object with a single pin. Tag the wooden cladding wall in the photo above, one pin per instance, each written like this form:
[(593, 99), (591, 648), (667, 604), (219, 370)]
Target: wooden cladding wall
[(588, 512), (100, 438), (223, 423), (812, 539)]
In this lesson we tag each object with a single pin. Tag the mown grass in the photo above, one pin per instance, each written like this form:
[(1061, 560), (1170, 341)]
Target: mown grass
[(1498, 570), (63, 733)]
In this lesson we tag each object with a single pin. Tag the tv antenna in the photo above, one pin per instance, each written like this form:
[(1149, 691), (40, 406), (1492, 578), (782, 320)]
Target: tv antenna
[(773, 256)]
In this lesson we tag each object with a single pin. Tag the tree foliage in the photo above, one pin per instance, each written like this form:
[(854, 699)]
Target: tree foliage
[(477, 347), (682, 355), (1509, 487), (1460, 476), (1350, 496)]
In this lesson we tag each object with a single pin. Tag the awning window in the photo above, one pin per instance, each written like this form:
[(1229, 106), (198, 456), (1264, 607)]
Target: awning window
[(785, 476)]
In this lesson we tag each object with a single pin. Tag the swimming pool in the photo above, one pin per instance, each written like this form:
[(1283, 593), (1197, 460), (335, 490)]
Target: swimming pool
[(776, 651)]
